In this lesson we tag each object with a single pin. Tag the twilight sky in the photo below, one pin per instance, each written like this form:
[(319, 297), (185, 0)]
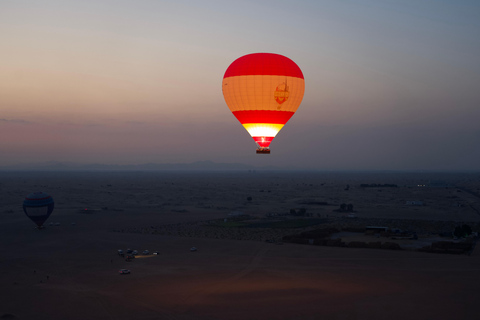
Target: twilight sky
[(388, 84)]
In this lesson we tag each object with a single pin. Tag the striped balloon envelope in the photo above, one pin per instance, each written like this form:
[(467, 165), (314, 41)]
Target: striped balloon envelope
[(38, 206), (263, 91)]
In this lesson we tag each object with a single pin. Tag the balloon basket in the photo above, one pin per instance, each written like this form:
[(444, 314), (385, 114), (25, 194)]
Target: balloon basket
[(263, 150)]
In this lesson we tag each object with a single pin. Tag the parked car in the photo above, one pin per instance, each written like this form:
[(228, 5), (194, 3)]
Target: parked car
[(120, 252), (146, 252), (156, 253), (124, 271), (135, 252), (129, 250), (193, 249)]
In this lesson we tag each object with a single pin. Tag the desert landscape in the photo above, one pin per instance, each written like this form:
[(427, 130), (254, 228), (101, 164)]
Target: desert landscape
[(239, 160), (245, 266)]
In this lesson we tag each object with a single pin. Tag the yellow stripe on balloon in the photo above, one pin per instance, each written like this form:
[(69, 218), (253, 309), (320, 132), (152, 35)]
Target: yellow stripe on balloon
[(263, 129)]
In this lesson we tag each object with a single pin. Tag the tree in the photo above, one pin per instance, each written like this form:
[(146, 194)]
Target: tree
[(462, 231)]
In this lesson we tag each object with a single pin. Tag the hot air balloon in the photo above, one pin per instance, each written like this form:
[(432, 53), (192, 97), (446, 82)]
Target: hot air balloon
[(38, 206), (263, 91)]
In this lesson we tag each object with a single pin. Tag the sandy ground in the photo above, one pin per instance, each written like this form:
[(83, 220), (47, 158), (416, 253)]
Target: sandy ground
[(71, 271)]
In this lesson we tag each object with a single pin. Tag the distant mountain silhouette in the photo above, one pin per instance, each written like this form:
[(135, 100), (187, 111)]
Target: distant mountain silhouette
[(198, 165)]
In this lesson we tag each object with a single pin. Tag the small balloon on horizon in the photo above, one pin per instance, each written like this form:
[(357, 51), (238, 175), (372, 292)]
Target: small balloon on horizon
[(38, 206)]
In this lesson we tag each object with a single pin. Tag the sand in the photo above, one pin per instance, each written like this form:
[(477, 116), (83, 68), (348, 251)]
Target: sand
[(227, 278)]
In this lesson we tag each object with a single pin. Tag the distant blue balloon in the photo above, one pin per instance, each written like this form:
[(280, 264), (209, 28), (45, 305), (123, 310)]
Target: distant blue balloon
[(38, 206)]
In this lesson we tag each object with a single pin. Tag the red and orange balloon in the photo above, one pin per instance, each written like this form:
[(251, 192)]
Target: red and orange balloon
[(263, 91)]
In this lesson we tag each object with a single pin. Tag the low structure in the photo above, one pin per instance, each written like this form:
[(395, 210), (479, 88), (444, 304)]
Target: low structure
[(414, 203), (376, 229)]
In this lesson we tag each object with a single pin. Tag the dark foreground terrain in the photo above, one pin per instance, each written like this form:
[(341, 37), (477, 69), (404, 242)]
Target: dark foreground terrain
[(70, 271)]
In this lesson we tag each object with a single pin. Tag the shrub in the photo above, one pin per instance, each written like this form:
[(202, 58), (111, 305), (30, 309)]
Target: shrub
[(374, 245), (357, 244), (391, 246), (463, 231)]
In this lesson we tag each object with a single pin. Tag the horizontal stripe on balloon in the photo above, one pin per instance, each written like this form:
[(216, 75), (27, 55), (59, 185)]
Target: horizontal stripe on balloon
[(263, 64), (263, 92), (263, 129), (38, 211), (263, 141), (263, 116), (38, 202)]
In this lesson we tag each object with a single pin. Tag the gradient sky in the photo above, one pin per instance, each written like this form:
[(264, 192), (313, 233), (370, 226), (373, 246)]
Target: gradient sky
[(389, 84)]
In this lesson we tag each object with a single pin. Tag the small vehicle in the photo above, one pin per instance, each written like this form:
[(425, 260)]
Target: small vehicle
[(135, 252), (120, 252), (146, 252), (124, 271), (193, 249), (129, 250), (156, 253)]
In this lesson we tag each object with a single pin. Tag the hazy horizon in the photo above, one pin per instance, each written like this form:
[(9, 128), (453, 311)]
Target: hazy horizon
[(205, 166), (388, 86)]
